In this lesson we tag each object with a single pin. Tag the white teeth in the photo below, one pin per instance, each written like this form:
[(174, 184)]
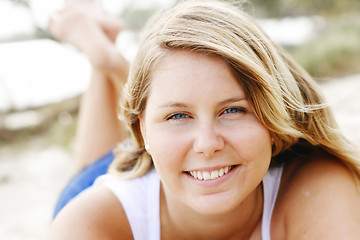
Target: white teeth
[(210, 175), (214, 174), (196, 174), (206, 176), (221, 172)]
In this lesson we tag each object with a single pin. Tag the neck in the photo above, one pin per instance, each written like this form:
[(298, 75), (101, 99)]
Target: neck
[(180, 222)]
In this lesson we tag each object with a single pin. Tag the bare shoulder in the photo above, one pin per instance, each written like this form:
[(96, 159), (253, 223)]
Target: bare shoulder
[(318, 199), (95, 214)]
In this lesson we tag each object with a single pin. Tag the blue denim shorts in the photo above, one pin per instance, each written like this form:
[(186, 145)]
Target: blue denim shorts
[(83, 180)]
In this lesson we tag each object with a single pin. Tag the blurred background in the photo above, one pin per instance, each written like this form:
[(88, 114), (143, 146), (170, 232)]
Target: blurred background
[(41, 82)]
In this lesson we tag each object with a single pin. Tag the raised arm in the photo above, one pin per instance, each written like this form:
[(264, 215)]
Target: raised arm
[(83, 25)]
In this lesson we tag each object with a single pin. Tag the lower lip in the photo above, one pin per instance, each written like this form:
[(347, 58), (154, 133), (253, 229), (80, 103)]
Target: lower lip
[(213, 181)]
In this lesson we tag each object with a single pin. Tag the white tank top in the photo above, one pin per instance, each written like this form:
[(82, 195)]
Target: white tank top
[(140, 200)]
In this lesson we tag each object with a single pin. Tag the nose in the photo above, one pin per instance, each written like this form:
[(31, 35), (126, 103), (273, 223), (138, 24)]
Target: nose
[(207, 140)]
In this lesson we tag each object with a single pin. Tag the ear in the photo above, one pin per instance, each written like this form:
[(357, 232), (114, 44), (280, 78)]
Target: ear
[(142, 127)]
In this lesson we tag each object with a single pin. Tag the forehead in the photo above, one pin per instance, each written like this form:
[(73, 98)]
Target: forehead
[(181, 63), (185, 74)]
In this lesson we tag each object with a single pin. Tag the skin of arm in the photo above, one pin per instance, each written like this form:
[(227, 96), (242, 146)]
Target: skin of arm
[(95, 214), (83, 25), (98, 128), (319, 199)]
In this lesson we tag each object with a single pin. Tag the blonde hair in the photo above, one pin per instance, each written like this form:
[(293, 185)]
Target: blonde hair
[(284, 97)]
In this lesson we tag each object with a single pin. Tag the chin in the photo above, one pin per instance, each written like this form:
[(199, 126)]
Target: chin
[(215, 204)]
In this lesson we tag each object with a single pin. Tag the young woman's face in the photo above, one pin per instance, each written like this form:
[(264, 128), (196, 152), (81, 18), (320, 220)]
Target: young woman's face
[(208, 148)]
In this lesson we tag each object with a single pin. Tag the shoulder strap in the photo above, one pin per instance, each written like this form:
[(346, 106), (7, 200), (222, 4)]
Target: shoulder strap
[(271, 184), (140, 198)]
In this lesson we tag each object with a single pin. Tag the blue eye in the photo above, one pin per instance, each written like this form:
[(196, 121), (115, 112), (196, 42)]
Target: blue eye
[(178, 116), (234, 110)]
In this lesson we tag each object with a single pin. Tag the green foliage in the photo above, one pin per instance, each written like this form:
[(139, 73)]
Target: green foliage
[(279, 8), (335, 52)]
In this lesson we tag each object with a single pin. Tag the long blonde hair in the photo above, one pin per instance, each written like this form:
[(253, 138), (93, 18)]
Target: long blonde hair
[(284, 97)]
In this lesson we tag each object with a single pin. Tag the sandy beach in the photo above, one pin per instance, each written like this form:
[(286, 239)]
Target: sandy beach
[(32, 176)]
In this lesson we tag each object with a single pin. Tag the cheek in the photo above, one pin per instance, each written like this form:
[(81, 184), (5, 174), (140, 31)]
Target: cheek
[(254, 143), (168, 148)]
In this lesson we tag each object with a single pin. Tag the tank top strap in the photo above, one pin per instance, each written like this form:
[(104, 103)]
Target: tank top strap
[(140, 198), (271, 184)]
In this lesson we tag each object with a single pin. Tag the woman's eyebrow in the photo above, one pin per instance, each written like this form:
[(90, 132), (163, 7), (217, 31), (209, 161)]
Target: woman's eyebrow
[(232, 100), (174, 105), (184, 105)]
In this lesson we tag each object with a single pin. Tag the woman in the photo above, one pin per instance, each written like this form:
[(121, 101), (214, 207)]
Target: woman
[(230, 139)]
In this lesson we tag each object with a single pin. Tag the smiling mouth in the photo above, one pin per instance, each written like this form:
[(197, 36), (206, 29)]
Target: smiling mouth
[(210, 175)]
